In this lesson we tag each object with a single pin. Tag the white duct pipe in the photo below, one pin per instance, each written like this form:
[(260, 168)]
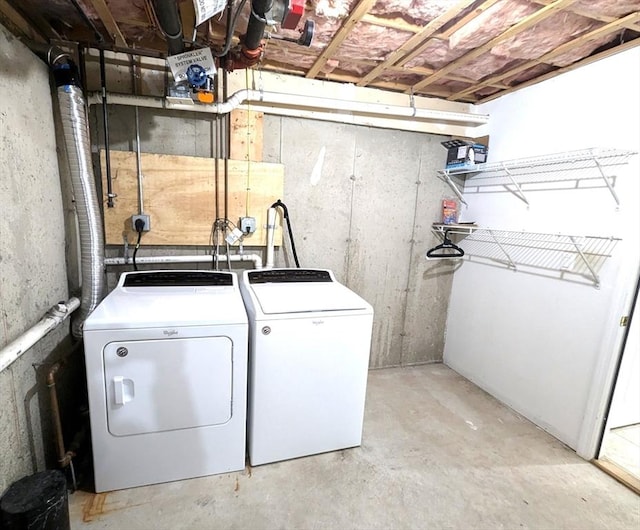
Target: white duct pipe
[(297, 101), (271, 227), (54, 317), (204, 258)]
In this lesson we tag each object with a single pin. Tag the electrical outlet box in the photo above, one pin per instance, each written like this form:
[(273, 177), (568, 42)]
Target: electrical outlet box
[(248, 225), (145, 218)]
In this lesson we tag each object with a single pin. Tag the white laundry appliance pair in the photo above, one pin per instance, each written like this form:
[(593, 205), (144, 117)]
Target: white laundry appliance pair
[(166, 356)]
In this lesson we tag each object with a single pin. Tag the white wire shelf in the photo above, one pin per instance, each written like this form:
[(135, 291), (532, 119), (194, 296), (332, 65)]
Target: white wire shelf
[(581, 256), (512, 175)]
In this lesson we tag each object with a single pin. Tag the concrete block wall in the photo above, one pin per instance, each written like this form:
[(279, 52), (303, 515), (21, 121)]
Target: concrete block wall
[(361, 200), (33, 274)]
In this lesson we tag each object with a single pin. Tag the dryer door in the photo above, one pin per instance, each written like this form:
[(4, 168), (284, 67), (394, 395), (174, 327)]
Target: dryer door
[(167, 384)]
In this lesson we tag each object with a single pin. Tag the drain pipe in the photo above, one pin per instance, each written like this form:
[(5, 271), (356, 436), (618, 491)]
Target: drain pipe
[(279, 99), (271, 226), (54, 317), (73, 113)]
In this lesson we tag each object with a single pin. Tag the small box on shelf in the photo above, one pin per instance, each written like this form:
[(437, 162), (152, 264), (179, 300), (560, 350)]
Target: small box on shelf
[(461, 153)]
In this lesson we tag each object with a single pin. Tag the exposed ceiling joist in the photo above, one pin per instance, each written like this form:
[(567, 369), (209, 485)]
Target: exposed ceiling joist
[(430, 29), (20, 23), (590, 14), (449, 31), (578, 41), (527, 22), (467, 53), (109, 22), (349, 23), (578, 64), (393, 23)]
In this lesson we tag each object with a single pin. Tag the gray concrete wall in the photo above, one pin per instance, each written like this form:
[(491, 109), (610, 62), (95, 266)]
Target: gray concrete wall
[(361, 200), (365, 210), (32, 254)]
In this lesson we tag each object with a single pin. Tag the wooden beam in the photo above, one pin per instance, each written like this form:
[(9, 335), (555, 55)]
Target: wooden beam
[(445, 35), (467, 18), (19, 23), (588, 60), (347, 26), (392, 23), (589, 14), (417, 70), (426, 32), (517, 28), (109, 22), (578, 41), (187, 18)]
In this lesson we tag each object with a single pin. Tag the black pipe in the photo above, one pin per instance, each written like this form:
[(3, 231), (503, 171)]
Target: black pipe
[(170, 24), (257, 23), (105, 120), (285, 214)]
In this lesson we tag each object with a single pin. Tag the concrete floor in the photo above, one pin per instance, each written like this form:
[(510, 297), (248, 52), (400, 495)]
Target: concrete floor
[(437, 453)]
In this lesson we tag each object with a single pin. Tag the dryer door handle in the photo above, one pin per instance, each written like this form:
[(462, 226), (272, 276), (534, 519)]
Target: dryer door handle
[(122, 390)]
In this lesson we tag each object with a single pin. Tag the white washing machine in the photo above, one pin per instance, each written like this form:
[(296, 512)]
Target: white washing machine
[(310, 338), (166, 357)]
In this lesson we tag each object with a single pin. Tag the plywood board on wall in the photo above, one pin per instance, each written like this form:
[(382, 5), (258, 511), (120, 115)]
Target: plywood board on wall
[(179, 194), (246, 135)]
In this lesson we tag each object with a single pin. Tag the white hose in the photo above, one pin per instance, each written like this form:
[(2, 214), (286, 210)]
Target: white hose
[(271, 226)]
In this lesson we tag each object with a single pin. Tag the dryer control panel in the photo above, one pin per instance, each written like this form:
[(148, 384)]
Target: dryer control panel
[(177, 279)]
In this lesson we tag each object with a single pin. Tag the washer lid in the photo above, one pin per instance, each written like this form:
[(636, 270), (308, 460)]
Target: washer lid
[(279, 298)]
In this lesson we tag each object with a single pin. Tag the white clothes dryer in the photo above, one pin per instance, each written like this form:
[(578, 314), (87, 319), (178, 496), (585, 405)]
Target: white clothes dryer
[(166, 360), (310, 338)]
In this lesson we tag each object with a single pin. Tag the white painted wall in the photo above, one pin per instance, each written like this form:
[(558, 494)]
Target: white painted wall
[(546, 346)]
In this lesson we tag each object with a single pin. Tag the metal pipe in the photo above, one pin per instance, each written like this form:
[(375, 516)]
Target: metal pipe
[(299, 101), (53, 318), (139, 164), (105, 123), (204, 258), (226, 141), (257, 23), (64, 456)]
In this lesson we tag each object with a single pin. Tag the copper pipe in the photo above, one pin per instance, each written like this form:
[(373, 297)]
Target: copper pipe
[(64, 457)]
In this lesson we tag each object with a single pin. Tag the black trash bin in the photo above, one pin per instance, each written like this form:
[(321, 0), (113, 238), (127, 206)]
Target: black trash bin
[(36, 502)]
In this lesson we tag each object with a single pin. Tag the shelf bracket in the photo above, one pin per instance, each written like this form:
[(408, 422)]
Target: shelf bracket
[(453, 186), (606, 181), (511, 263), (520, 193), (594, 275)]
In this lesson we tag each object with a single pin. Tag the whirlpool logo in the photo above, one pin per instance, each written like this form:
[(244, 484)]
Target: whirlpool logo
[(170, 332)]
